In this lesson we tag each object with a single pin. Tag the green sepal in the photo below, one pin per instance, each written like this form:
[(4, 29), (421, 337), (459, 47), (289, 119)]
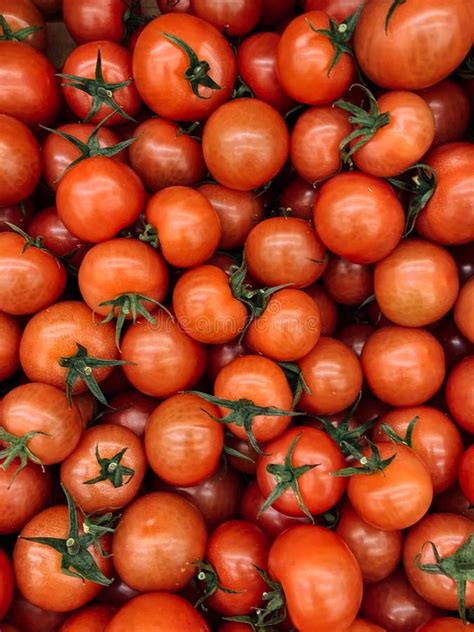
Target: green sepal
[(208, 576), (391, 11), (150, 236), (407, 439), (296, 380), (111, 470), (369, 464), (18, 449), (242, 90), (16, 36)]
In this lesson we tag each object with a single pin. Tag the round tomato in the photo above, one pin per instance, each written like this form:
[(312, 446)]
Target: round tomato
[(455, 345), (460, 395), (348, 283), (6, 583), (297, 198), (221, 355), (229, 16), (355, 336), (90, 21), (93, 618), (464, 310), (10, 336), (22, 14), (55, 236), (466, 474), (327, 309), (131, 410), (450, 107)]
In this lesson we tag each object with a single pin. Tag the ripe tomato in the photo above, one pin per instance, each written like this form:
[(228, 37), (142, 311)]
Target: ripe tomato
[(358, 217), (188, 227), (162, 349), (90, 21), (158, 539), (10, 336), (233, 18), (18, 214), (459, 394), (23, 14), (450, 107), (464, 310), (337, 9), (6, 583), (221, 355), (320, 577), (445, 624), (131, 410), (378, 552), (466, 474), (106, 469), (283, 250), (30, 618), (297, 198), (362, 625), (233, 161), (192, 84), (455, 345), (333, 376), (98, 197), (22, 497), (163, 156), (448, 533), (396, 356), (20, 160), (93, 618), (327, 309), (304, 60), (174, 6), (348, 283), (400, 56), (158, 612), (55, 236), (29, 89), (183, 443), (355, 336)]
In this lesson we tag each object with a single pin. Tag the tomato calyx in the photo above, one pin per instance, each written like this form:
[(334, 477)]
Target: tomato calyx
[(129, 303), (228, 451), (391, 11), (102, 93), (367, 123), (287, 476), (209, 578), (197, 74), (150, 236), (296, 380), (16, 36), (422, 187), (369, 464), (30, 242), (112, 470), (242, 414), (132, 20), (396, 438), (18, 449), (340, 35), (81, 365), (242, 90), (458, 567), (76, 560)]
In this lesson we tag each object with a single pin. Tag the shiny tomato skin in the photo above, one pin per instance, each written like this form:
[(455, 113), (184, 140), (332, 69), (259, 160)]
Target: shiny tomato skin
[(38, 570), (90, 21), (450, 107), (464, 310), (56, 237), (23, 14), (230, 159), (403, 57), (20, 161), (348, 283), (29, 88), (10, 336), (166, 534), (7, 583), (445, 624), (18, 214), (327, 308), (303, 62), (157, 612), (396, 356), (93, 618), (337, 9), (358, 217), (221, 355), (297, 198), (130, 409), (163, 87), (459, 394), (233, 18), (466, 474), (320, 576)]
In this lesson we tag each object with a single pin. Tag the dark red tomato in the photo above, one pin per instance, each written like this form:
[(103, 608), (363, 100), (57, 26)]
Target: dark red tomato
[(20, 161), (30, 618), (217, 498), (348, 283), (315, 563), (165, 350), (417, 284), (239, 212), (232, 626), (116, 382), (283, 250), (453, 501), (29, 88), (221, 355), (94, 20), (244, 448), (158, 539), (131, 410), (22, 14), (319, 490), (175, 615), (394, 605), (99, 197), (18, 214), (466, 474), (188, 227), (164, 156), (10, 336), (370, 408), (116, 68), (401, 56), (448, 217), (378, 552), (174, 6), (448, 533), (231, 159), (396, 356), (445, 624), (358, 217), (256, 59), (297, 198), (450, 107), (55, 235), (355, 336), (6, 583), (460, 395), (164, 87), (275, 12), (57, 153), (86, 405), (117, 594), (333, 375), (30, 279), (229, 16), (464, 310), (304, 59), (93, 618), (315, 140), (337, 9), (435, 439), (327, 309)]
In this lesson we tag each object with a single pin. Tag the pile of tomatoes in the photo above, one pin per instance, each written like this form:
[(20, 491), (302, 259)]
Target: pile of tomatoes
[(237, 316)]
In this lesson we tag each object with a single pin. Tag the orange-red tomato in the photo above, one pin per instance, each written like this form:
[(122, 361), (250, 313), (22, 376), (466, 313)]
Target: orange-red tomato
[(23, 14), (362, 625), (464, 310), (460, 395), (10, 336), (229, 16), (327, 309), (445, 624), (93, 618), (6, 583)]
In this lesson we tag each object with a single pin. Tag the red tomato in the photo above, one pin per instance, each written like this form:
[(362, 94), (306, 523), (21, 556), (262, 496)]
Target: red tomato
[(355, 336), (158, 539), (179, 90), (90, 21), (362, 625), (6, 583), (358, 217), (18, 214), (231, 159), (460, 395), (130, 409), (464, 310), (99, 197), (275, 12), (297, 198), (304, 60), (229, 16), (221, 355), (348, 283), (30, 618), (327, 309), (445, 624), (20, 162), (22, 14), (466, 474), (337, 9), (453, 501), (320, 577), (10, 336), (56, 237), (400, 55), (450, 107), (93, 618), (455, 345), (396, 356), (48, 7)]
